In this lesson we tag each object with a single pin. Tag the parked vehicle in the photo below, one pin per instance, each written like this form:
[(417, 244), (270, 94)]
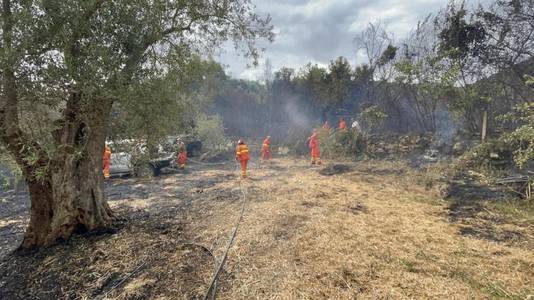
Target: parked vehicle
[(120, 164), (193, 144), (131, 158)]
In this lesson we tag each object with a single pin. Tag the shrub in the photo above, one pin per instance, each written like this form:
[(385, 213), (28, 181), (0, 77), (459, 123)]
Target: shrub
[(348, 143), (210, 130), (297, 140), (373, 117), (522, 138)]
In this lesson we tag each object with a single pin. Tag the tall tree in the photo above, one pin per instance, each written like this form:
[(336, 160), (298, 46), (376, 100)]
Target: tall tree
[(509, 43), (424, 78), (374, 78), (65, 63), (461, 41), (340, 81), (312, 81)]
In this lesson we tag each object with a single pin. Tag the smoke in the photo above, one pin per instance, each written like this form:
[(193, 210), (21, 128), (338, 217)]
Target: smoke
[(296, 116), (445, 128)]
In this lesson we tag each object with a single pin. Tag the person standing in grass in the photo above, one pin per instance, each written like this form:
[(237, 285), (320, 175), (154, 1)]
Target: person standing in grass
[(242, 156), (106, 157), (182, 158), (313, 143), (342, 124), (266, 149)]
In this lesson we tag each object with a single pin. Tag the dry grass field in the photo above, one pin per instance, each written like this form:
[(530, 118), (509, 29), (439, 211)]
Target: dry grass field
[(372, 231)]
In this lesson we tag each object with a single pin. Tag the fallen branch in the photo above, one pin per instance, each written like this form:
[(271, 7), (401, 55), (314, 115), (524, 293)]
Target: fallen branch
[(514, 179)]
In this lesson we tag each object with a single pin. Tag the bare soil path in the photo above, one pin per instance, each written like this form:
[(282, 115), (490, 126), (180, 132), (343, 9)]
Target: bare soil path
[(368, 232)]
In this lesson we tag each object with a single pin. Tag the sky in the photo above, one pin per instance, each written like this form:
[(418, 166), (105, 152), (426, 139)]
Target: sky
[(319, 31)]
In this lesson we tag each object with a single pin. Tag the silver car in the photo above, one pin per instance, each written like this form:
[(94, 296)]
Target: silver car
[(121, 164)]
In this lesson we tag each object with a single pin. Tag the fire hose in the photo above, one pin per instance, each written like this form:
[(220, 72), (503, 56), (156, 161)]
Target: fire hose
[(206, 164), (213, 284)]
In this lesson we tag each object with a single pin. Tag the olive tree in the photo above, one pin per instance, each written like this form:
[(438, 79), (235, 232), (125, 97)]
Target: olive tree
[(65, 63)]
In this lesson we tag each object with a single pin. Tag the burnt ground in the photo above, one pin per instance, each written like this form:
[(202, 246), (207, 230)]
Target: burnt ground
[(366, 230)]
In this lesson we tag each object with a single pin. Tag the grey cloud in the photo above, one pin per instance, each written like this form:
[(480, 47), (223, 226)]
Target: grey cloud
[(318, 31)]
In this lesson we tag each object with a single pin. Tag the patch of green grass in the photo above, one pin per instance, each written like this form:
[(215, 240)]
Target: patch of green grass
[(495, 290), (408, 265), (522, 210), (465, 277)]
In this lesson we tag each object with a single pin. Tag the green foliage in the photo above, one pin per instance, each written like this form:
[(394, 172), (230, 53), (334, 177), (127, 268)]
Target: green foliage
[(339, 81), (313, 79), (348, 143), (67, 63), (428, 82), (210, 130), (326, 88), (296, 141), (479, 156), (388, 55), (363, 73), (166, 104), (521, 139), (373, 116), (458, 38)]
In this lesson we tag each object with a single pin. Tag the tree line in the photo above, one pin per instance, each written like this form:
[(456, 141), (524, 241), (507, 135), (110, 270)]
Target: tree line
[(456, 68)]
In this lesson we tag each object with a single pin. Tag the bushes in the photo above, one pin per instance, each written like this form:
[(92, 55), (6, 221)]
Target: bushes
[(297, 141), (348, 143), (373, 117), (486, 161), (522, 138), (210, 130)]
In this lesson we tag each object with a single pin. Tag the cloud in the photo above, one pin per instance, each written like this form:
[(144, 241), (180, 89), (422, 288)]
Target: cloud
[(318, 31)]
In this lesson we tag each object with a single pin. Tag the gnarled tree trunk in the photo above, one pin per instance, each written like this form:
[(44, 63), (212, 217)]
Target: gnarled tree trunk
[(71, 200), (66, 186)]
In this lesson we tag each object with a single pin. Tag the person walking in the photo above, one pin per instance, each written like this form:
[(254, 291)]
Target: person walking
[(266, 149), (242, 156), (313, 143)]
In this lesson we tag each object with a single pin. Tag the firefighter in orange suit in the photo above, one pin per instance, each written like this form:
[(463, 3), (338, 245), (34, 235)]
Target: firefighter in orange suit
[(266, 149), (342, 124), (313, 143), (242, 156), (107, 161), (182, 158)]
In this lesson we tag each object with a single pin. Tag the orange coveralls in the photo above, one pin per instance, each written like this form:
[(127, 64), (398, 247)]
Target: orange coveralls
[(266, 149), (182, 159), (314, 147), (242, 156), (107, 161)]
